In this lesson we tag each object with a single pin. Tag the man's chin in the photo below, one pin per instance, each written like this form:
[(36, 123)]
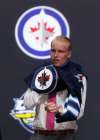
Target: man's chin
[(56, 64)]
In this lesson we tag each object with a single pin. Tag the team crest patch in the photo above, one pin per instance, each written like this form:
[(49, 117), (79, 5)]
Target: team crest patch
[(36, 28), (45, 79)]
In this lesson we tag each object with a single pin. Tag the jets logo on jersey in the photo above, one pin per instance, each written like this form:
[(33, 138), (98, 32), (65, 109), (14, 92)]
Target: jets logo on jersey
[(36, 28)]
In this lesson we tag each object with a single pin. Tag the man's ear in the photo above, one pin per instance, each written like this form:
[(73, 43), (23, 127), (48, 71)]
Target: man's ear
[(70, 54)]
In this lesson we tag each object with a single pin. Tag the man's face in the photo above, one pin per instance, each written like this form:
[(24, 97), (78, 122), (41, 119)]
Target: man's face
[(60, 52)]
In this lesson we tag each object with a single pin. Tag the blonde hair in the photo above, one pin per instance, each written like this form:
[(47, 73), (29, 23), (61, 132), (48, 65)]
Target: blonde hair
[(62, 39)]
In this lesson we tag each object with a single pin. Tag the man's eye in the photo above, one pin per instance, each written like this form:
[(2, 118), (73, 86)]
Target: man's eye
[(52, 50), (61, 51)]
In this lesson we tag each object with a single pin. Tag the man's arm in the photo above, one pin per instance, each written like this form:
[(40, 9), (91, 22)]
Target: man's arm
[(73, 108), (31, 98)]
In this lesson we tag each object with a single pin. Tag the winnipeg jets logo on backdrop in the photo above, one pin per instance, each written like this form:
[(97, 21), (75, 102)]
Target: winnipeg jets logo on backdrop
[(36, 28)]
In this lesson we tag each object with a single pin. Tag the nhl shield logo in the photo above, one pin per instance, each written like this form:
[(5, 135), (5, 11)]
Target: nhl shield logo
[(36, 28)]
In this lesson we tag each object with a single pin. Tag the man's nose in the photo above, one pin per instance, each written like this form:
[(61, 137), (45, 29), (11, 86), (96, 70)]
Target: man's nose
[(56, 54)]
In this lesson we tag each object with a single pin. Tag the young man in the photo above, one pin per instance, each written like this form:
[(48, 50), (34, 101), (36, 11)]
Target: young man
[(61, 104)]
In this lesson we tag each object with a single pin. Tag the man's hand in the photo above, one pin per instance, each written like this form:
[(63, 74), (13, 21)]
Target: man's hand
[(52, 107)]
